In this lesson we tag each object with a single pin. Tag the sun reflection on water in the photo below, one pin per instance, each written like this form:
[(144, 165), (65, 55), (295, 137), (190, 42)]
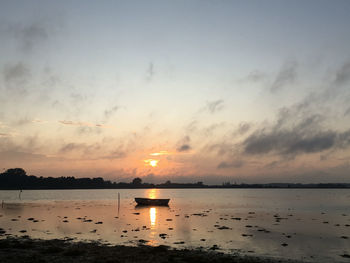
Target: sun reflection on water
[(152, 193), (153, 219), (153, 216)]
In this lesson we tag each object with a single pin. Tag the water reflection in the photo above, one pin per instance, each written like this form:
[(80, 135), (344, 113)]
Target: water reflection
[(153, 216), (257, 220), (152, 193), (152, 235)]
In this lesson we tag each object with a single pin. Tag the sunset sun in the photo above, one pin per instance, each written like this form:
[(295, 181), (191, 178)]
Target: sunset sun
[(152, 162)]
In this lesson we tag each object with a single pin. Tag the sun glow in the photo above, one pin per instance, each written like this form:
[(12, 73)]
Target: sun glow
[(152, 162), (160, 153)]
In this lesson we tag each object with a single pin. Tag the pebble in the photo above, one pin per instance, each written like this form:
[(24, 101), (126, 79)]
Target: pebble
[(223, 227), (179, 242)]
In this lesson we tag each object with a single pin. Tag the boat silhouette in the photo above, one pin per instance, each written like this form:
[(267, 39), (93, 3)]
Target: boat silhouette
[(149, 201)]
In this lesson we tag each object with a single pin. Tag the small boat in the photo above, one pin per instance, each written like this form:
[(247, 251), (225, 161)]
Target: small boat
[(149, 201)]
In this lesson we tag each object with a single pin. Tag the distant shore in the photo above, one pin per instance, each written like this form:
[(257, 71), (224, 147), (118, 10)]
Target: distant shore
[(17, 179), (24, 249)]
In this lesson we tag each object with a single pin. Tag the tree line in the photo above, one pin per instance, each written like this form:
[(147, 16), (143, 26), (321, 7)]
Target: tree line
[(17, 179)]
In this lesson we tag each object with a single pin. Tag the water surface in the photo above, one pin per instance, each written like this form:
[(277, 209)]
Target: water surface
[(307, 224)]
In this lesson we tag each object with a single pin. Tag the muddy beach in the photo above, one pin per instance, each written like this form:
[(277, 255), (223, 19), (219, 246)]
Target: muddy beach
[(34, 250)]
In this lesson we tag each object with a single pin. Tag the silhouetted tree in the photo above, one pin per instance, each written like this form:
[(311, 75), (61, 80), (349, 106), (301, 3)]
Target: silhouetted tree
[(137, 181), (17, 172)]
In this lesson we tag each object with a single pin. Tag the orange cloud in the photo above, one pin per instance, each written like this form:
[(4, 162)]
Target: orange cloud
[(39, 121), (5, 135), (160, 153), (87, 124)]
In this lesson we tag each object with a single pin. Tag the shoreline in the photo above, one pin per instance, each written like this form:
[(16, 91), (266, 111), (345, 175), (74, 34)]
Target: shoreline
[(25, 249), (215, 187)]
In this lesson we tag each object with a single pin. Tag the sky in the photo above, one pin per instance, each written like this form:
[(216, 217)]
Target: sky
[(187, 91)]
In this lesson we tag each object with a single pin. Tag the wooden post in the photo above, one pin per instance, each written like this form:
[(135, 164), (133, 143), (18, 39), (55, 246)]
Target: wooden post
[(118, 202)]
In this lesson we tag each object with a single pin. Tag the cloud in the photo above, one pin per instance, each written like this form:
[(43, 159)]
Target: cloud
[(232, 164), (342, 75), (150, 72), (108, 113), (30, 35), (6, 131), (26, 144), (226, 145), (301, 128), (160, 153), (343, 139), (336, 88), (87, 149), (75, 123), (212, 128), (39, 121), (29, 149), (192, 126), (13, 155), (243, 128), (88, 130), (184, 148), (347, 112), (184, 144), (294, 133), (285, 76), (215, 106), (16, 77), (17, 71), (117, 154), (288, 142), (76, 97), (255, 76), (72, 147), (92, 151), (26, 120), (220, 148), (2, 134), (86, 124), (101, 125)]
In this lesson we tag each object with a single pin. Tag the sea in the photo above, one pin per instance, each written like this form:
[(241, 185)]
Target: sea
[(311, 225)]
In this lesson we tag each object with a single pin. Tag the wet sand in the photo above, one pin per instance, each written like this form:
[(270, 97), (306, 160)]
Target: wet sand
[(29, 250)]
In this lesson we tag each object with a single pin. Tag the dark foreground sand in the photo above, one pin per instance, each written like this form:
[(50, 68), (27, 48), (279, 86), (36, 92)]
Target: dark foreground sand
[(33, 250)]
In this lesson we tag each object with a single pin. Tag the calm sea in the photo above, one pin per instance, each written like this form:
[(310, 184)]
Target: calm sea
[(306, 224)]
